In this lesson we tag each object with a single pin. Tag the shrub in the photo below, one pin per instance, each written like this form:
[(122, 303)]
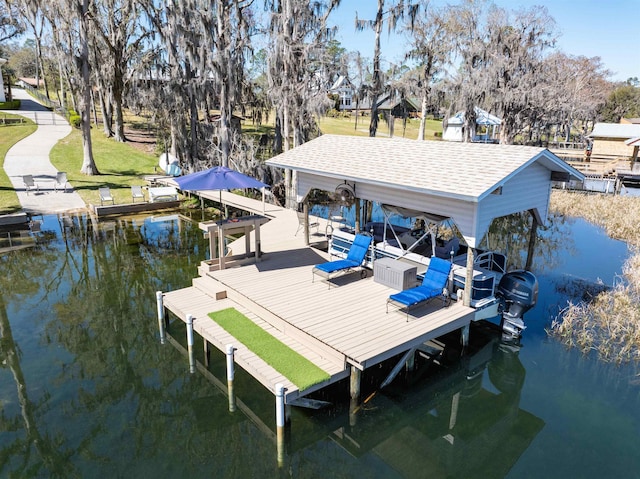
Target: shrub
[(10, 105), (74, 119)]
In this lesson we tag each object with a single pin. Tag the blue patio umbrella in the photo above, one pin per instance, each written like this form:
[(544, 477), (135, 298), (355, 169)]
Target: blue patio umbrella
[(218, 178)]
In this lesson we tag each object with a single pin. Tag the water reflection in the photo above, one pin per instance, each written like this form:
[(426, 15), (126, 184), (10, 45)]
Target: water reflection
[(77, 298), (463, 420), (87, 390)]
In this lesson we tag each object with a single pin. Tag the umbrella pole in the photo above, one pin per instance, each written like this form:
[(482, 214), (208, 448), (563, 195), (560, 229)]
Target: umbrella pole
[(226, 208)]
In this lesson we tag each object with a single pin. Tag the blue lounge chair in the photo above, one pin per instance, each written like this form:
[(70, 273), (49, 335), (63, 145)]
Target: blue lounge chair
[(433, 285), (354, 259)]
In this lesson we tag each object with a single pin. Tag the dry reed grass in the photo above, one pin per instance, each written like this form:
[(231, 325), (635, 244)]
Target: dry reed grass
[(610, 324)]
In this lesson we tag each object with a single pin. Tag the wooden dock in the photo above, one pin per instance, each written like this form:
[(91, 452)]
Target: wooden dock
[(339, 328)]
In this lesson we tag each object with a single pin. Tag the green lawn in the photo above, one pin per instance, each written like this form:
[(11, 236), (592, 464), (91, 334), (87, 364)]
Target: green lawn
[(120, 165), (347, 126), (299, 370), (9, 136)]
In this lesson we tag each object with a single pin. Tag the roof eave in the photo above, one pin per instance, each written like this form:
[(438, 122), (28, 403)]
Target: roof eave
[(328, 174)]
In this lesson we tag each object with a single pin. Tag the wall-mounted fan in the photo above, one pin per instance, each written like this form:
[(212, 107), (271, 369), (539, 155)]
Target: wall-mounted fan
[(346, 193)]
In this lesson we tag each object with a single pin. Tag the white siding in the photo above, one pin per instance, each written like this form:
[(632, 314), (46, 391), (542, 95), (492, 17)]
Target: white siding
[(529, 189)]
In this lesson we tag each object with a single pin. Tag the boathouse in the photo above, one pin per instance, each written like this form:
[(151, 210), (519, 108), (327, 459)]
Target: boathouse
[(470, 183), (346, 329)]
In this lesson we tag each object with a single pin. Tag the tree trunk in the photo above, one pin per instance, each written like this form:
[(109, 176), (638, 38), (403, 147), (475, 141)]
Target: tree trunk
[(116, 94), (286, 133), (377, 80), (423, 119), (63, 100), (88, 164), (277, 140), (107, 118), (94, 110)]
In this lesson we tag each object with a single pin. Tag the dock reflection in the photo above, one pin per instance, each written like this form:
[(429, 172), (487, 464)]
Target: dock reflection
[(462, 421), (452, 416)]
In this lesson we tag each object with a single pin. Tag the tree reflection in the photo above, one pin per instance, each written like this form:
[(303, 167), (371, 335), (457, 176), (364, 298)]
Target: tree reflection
[(22, 434), (94, 283), (511, 234)]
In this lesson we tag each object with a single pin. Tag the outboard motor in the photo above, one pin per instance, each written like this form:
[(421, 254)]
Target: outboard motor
[(518, 292)]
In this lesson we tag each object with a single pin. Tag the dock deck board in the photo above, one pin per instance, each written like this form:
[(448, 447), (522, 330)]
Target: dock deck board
[(348, 317)]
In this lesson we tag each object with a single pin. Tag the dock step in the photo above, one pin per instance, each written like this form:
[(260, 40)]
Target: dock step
[(210, 286)]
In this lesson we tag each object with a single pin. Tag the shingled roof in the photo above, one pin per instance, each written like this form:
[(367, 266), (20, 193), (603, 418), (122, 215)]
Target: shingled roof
[(467, 171)]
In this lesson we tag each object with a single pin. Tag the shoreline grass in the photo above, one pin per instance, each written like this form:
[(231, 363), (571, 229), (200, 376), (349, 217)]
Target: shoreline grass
[(295, 367), (121, 166), (610, 323)]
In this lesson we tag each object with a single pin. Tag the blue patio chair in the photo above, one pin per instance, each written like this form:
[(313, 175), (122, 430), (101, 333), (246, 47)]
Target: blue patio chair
[(354, 260), (433, 285)]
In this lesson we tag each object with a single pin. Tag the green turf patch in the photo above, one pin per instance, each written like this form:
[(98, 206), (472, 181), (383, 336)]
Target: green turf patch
[(300, 371)]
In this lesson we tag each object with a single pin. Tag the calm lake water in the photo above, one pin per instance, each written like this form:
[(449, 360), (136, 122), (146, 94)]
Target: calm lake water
[(87, 390)]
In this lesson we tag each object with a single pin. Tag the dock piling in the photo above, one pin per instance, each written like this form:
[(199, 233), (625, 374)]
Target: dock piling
[(354, 390), (464, 338), (280, 422), (192, 362), (230, 376), (207, 351), (160, 304)]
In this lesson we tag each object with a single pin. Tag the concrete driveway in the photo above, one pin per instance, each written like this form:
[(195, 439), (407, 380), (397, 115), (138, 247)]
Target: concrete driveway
[(30, 156)]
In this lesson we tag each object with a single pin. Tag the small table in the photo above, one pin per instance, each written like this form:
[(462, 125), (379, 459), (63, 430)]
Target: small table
[(217, 230), (395, 274)]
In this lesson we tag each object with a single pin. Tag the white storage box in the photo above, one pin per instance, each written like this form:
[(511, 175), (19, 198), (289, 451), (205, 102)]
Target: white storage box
[(395, 274)]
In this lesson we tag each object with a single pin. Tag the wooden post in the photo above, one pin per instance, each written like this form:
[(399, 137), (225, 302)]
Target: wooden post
[(256, 231), (247, 241), (207, 352), (464, 338), (192, 362), (532, 242), (410, 363), (354, 383), (280, 422), (455, 404), (468, 283), (354, 389), (305, 211), (230, 376), (221, 247), (160, 304)]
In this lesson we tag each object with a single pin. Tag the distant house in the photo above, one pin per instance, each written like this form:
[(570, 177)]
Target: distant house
[(24, 81), (486, 130), (635, 144), (345, 90), (612, 140), (632, 121), (399, 108)]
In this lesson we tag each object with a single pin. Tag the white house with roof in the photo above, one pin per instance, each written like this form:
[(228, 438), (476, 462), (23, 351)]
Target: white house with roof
[(345, 91), (487, 126)]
